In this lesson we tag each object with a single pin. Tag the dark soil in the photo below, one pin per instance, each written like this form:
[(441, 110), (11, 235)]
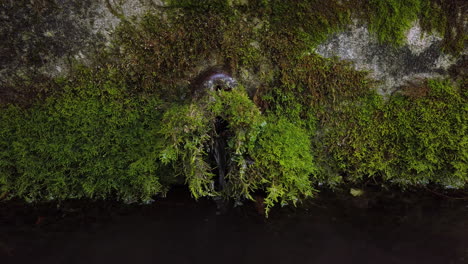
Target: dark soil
[(334, 228)]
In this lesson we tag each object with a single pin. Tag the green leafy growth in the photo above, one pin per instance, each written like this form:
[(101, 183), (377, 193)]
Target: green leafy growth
[(283, 162), (295, 27), (312, 93), (279, 150), (189, 132), (412, 139), (428, 136), (105, 132), (245, 124), (446, 18), (163, 53), (186, 129), (92, 140), (390, 19)]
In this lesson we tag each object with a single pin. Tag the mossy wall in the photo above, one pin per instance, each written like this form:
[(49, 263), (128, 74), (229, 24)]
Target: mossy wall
[(127, 127)]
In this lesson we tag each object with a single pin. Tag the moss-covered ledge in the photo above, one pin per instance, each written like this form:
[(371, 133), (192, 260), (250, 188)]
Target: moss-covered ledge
[(126, 126)]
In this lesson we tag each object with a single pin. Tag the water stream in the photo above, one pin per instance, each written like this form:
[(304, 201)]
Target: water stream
[(215, 81), (220, 154)]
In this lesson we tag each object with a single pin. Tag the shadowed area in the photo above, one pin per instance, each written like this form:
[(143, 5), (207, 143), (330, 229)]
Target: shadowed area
[(180, 230)]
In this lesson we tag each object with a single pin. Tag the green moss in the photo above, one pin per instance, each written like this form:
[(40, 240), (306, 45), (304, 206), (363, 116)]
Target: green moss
[(283, 163), (297, 26), (127, 128), (186, 129), (433, 17), (428, 136), (163, 54), (392, 18), (408, 140), (313, 92), (92, 140), (280, 151), (446, 17), (358, 136)]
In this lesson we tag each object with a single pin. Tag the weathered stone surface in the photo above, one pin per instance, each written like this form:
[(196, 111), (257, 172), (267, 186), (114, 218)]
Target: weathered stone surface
[(43, 36), (420, 57)]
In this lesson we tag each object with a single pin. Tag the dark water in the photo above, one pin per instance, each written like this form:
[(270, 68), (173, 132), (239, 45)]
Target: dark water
[(179, 230)]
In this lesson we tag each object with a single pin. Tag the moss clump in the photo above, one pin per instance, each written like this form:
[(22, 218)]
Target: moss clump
[(189, 133), (297, 26), (408, 140), (391, 19), (283, 162), (267, 153), (446, 18), (91, 140), (414, 138), (164, 53), (312, 93), (428, 136)]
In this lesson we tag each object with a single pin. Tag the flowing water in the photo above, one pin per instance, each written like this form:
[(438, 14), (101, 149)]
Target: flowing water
[(220, 156), (218, 80)]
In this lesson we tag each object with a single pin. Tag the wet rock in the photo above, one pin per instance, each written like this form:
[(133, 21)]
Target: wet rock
[(45, 36), (421, 56)]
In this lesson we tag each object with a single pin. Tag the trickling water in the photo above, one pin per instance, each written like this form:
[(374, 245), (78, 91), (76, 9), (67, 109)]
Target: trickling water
[(218, 80), (219, 151)]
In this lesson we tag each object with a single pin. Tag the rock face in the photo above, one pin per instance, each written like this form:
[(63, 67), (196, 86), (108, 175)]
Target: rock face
[(420, 57), (42, 36)]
